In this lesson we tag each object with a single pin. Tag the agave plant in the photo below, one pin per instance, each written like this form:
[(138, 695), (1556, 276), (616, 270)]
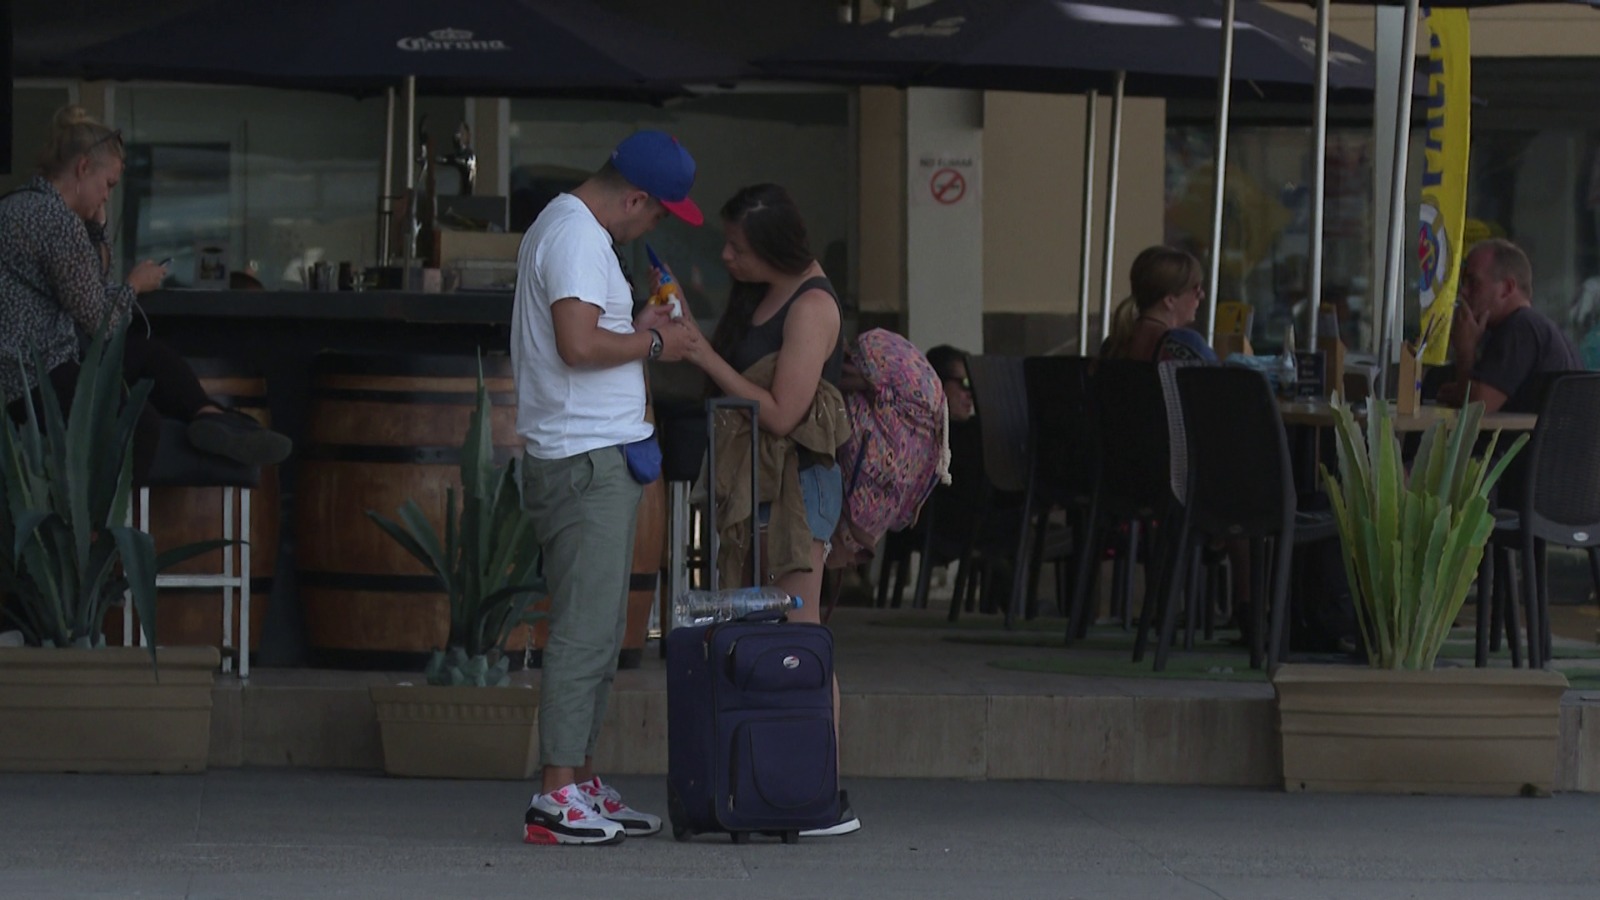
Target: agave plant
[(67, 553), (1412, 541), (486, 561)]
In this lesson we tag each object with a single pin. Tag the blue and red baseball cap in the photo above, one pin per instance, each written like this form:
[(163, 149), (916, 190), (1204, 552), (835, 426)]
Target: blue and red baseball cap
[(654, 162)]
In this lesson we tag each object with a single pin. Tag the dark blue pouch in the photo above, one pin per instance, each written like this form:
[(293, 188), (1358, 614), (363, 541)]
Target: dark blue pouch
[(644, 459)]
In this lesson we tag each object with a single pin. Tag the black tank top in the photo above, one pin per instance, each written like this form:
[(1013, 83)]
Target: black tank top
[(767, 337)]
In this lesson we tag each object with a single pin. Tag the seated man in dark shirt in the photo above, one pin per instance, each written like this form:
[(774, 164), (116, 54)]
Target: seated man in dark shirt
[(1503, 346)]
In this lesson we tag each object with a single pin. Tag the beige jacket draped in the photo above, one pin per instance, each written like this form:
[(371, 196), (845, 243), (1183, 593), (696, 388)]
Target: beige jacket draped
[(823, 428)]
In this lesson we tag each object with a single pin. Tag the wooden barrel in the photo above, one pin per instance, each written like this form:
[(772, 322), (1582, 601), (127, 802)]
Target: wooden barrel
[(383, 429), (185, 515)]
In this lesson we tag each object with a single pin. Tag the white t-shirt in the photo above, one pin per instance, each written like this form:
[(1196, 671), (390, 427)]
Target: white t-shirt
[(563, 411)]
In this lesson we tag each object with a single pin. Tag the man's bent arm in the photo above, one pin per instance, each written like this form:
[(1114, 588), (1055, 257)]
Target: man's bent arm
[(583, 344)]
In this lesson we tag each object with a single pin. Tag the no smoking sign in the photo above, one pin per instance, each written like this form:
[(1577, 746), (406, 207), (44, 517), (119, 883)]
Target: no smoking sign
[(947, 186)]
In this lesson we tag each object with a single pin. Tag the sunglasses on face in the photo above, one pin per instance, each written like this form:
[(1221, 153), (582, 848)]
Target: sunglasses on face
[(963, 381)]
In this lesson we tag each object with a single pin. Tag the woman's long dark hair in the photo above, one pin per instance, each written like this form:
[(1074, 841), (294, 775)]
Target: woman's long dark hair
[(777, 235)]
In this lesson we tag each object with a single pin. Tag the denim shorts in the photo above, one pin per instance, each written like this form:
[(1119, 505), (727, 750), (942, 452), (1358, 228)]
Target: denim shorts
[(822, 488)]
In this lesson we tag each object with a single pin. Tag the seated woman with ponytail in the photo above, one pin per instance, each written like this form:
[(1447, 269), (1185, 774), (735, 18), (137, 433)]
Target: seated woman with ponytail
[(56, 290), (1151, 324)]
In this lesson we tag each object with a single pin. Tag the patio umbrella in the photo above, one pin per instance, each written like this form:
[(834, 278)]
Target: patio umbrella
[(485, 47), (1161, 48), (1166, 47)]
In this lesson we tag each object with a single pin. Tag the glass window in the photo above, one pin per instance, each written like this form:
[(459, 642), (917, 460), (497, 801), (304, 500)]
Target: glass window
[(32, 109), (1534, 177), (801, 140), (277, 179), (1266, 218)]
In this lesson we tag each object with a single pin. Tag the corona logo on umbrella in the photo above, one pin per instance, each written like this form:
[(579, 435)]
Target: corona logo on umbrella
[(448, 39), (940, 28)]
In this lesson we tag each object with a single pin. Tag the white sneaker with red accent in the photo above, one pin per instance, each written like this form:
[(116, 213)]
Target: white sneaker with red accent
[(567, 816), (607, 802)]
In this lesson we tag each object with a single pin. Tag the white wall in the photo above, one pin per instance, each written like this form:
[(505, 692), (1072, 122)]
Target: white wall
[(944, 218)]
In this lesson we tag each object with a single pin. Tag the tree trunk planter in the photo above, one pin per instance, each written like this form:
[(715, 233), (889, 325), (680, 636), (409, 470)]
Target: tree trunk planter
[(458, 732), (1444, 731), (105, 710)]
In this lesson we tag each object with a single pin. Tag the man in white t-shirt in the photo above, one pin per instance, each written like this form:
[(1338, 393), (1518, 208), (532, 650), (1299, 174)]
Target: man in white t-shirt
[(579, 355)]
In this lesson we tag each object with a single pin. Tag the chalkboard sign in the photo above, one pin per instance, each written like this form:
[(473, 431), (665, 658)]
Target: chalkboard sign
[(1310, 375)]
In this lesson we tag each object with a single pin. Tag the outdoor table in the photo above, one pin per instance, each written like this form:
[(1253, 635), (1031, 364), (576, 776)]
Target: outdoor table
[(1316, 415), (1319, 413)]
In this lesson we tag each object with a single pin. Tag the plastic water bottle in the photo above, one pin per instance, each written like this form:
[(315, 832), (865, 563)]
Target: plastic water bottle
[(706, 607)]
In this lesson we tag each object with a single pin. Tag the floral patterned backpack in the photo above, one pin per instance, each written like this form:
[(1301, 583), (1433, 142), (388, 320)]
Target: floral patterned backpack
[(899, 445)]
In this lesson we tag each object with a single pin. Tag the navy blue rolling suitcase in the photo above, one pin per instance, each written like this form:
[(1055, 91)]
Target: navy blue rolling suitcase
[(750, 740), (750, 743)]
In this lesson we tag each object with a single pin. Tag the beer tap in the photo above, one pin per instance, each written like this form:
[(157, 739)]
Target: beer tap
[(463, 159)]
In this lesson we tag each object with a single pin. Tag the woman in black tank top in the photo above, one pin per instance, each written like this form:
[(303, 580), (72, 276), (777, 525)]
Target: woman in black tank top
[(782, 303)]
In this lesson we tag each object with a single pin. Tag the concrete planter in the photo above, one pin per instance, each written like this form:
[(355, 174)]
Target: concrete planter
[(458, 732), (105, 710), (1445, 731)]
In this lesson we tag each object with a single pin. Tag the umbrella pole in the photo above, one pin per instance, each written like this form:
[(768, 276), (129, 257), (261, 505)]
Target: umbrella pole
[(1085, 249), (411, 182), (1319, 171), (1393, 264), (1224, 97), (1114, 167), (386, 190)]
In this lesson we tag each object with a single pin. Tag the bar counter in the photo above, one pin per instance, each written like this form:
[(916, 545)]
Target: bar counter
[(472, 308), (277, 335)]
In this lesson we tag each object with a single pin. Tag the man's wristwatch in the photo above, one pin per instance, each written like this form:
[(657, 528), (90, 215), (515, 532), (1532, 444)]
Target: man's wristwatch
[(655, 344)]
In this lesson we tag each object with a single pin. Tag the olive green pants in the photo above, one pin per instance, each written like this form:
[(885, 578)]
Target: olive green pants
[(584, 511)]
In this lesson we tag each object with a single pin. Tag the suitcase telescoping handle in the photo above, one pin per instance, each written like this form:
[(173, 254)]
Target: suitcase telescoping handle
[(754, 409)]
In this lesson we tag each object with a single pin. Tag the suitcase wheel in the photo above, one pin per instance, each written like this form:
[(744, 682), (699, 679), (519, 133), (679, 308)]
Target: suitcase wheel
[(791, 837), (739, 837), (678, 815)]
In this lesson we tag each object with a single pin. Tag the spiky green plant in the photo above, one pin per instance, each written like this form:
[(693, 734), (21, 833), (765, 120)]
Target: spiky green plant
[(455, 668), (67, 553), (1412, 541), (487, 559)]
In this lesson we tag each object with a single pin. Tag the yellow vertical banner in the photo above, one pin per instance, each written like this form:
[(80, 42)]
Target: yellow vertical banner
[(1440, 243)]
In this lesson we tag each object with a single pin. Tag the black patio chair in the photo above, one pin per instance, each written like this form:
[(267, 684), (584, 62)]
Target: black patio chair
[(1555, 498), (1237, 480), (1064, 462), (1000, 395), (1134, 484)]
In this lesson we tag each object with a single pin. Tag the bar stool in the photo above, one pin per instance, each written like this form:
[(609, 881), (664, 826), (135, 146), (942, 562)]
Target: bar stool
[(180, 465), (681, 428)]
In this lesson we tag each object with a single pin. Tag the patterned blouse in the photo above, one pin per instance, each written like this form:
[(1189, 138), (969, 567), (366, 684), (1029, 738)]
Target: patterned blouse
[(53, 283)]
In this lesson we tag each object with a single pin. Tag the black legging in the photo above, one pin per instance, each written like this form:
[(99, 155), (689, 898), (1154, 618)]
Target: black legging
[(175, 394)]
